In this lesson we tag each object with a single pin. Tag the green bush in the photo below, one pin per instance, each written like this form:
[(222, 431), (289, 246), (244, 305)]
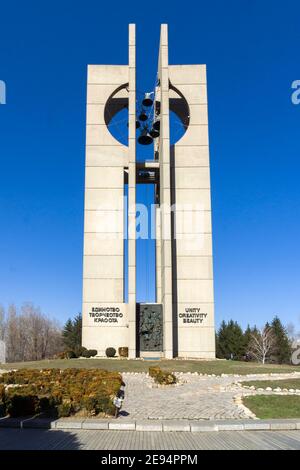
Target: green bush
[(2, 410), (93, 352), (48, 405), (21, 404), (2, 393), (110, 352), (90, 353), (95, 404), (165, 378), (153, 371), (56, 392), (2, 397), (80, 351), (65, 409), (162, 377), (72, 353)]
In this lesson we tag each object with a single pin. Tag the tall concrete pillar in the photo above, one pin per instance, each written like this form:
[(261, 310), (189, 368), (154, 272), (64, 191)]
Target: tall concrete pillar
[(193, 301), (105, 316), (165, 193), (132, 196)]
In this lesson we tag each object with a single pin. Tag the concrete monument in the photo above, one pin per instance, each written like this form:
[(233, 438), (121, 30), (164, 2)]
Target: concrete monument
[(181, 322)]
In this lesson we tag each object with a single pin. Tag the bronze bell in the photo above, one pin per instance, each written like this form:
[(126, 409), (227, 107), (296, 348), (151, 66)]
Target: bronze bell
[(147, 101), (145, 138), (143, 116), (156, 125), (154, 133)]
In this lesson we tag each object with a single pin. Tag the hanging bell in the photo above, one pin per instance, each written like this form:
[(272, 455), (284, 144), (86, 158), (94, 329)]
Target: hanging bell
[(143, 116), (147, 101), (137, 124), (156, 125), (154, 133), (145, 138)]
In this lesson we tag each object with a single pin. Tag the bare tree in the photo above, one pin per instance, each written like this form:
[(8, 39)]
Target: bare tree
[(31, 335), (262, 344), (11, 334), (2, 323)]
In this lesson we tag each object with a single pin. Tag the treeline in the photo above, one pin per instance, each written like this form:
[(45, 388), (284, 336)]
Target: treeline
[(268, 344), (29, 334)]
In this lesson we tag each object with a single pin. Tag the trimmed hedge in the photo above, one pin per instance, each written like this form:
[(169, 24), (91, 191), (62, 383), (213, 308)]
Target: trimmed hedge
[(70, 354), (162, 377), (110, 352), (90, 353), (59, 393)]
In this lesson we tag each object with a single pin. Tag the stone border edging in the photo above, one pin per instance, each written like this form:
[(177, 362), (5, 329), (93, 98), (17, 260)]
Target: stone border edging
[(153, 425)]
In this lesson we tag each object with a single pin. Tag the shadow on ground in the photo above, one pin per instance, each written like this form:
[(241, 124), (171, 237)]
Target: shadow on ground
[(38, 439)]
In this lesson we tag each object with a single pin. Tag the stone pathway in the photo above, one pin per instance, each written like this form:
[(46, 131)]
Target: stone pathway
[(195, 397), (198, 397)]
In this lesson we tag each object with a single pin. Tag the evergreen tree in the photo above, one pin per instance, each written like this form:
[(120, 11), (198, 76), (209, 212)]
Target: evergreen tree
[(282, 349), (77, 326), (218, 353), (67, 334), (72, 334), (231, 341), (247, 338)]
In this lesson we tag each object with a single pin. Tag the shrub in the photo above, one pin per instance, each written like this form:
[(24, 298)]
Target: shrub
[(90, 353), (165, 378), (64, 409), (2, 410), (48, 405), (21, 403), (2, 396), (80, 351), (123, 351), (110, 352), (2, 393), (162, 377), (153, 371), (56, 392), (93, 352), (70, 355), (95, 404), (89, 403)]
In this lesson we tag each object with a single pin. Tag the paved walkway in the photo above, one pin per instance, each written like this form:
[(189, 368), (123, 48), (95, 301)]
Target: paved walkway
[(30, 439), (195, 397), (198, 397)]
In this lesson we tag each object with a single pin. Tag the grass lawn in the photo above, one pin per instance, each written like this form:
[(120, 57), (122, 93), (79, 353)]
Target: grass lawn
[(272, 407), (284, 383), (124, 365)]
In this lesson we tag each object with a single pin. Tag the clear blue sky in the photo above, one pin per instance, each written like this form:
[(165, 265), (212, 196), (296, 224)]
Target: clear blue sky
[(251, 49)]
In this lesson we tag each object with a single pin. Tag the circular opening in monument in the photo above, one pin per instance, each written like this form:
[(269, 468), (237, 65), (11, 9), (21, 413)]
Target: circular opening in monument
[(179, 115), (116, 114), (177, 129)]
